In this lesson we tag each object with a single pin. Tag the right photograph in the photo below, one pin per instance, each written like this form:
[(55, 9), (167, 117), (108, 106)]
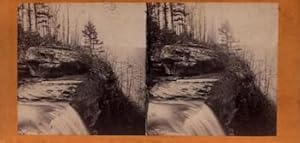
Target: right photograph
[(212, 69)]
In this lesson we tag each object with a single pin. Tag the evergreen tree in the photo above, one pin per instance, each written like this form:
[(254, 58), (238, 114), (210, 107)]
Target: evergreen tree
[(91, 36)]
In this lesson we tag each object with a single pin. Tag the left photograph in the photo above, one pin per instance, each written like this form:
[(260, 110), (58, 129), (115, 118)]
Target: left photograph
[(81, 68)]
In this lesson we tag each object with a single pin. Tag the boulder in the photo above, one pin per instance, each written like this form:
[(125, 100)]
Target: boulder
[(181, 60), (50, 62)]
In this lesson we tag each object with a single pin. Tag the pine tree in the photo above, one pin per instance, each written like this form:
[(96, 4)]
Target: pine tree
[(226, 34), (91, 36)]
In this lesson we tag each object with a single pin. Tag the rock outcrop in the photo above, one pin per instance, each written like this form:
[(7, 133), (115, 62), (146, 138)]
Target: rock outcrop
[(183, 60), (51, 62)]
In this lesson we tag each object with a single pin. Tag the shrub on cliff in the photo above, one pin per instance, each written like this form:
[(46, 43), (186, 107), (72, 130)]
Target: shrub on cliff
[(238, 102), (101, 103)]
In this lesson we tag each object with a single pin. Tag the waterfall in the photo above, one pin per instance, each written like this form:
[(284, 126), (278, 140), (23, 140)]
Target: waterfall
[(49, 119), (203, 122), (182, 118), (68, 123)]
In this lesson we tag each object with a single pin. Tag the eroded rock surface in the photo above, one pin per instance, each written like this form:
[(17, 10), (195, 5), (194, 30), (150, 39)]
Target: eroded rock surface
[(183, 88), (182, 60), (58, 89), (51, 62)]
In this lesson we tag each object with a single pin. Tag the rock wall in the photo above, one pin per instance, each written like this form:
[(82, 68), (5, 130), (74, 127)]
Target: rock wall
[(51, 62), (182, 60)]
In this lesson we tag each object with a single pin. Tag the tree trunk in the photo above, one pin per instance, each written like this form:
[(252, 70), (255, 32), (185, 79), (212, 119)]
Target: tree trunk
[(184, 26), (165, 16), (172, 16), (75, 39), (35, 16), (68, 25), (200, 25), (63, 29), (48, 26), (19, 8), (158, 13), (204, 27), (29, 17), (91, 46), (23, 16)]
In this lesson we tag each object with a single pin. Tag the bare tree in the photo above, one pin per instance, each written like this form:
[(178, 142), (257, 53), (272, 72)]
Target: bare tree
[(165, 9), (75, 36), (172, 16), (29, 17), (55, 25), (35, 15), (63, 28), (68, 26), (21, 19)]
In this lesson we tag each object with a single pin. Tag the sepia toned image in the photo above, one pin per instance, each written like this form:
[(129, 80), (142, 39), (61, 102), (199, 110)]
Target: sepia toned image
[(187, 69), (81, 68), (212, 69)]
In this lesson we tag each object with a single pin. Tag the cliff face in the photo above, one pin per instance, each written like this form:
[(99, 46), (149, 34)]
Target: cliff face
[(103, 106), (230, 89), (51, 74), (51, 62), (183, 60)]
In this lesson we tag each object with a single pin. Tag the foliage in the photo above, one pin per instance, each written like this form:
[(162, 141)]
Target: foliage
[(102, 104), (28, 39), (240, 105), (90, 34), (31, 39), (227, 38)]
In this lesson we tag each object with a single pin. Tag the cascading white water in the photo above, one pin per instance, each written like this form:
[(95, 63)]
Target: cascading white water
[(68, 123), (203, 122), (182, 118), (49, 119)]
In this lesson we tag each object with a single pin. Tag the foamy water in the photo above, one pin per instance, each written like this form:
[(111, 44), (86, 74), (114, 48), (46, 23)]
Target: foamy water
[(182, 118), (45, 118)]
